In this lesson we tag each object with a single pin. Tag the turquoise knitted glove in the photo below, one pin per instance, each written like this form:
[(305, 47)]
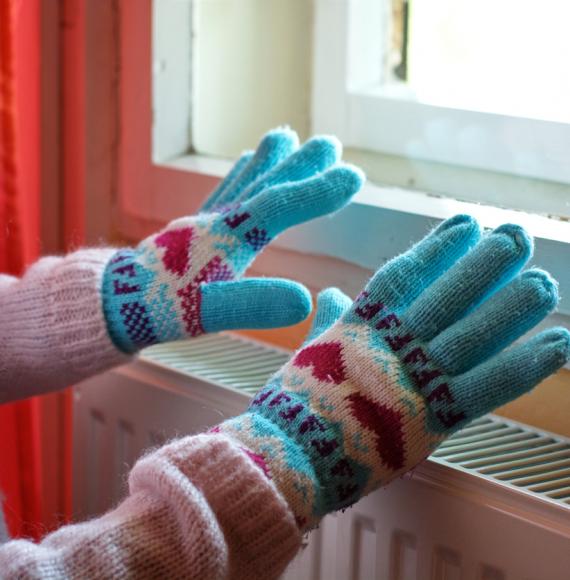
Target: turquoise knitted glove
[(184, 281), (419, 354)]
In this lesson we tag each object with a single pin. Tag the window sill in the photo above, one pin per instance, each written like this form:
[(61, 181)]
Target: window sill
[(387, 219), (402, 199)]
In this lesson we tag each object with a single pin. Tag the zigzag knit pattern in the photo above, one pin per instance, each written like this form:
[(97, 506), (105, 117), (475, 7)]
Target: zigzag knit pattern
[(153, 293)]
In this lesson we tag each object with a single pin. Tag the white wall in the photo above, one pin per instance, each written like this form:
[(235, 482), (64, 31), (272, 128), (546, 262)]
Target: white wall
[(252, 70)]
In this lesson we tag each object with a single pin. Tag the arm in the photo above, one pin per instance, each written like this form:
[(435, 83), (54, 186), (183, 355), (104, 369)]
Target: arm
[(198, 508), (53, 331), (350, 412), (69, 318)]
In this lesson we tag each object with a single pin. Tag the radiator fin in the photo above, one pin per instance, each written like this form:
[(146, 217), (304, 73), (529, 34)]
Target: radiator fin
[(515, 455), (232, 361)]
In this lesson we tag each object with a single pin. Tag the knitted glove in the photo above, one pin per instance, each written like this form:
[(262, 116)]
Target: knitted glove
[(419, 354), (184, 281)]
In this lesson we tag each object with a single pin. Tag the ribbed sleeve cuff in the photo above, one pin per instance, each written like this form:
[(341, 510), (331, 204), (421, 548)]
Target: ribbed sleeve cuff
[(54, 330), (259, 528), (77, 313)]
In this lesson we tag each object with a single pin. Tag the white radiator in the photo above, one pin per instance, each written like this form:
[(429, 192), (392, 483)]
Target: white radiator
[(492, 504)]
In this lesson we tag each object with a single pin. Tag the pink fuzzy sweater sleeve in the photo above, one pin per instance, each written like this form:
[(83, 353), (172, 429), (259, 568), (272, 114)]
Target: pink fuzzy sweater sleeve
[(52, 328), (198, 508)]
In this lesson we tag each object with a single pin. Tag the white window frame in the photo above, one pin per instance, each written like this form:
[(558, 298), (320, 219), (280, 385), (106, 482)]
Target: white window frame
[(151, 193), (351, 100)]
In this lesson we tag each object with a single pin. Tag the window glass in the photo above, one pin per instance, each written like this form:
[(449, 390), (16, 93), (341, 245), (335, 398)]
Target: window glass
[(508, 57)]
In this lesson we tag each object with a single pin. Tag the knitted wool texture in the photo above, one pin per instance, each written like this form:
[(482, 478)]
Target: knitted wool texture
[(53, 328), (198, 508), (416, 357), (180, 282)]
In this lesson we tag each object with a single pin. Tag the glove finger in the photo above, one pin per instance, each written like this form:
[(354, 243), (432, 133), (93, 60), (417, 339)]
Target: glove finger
[(399, 282), (488, 266), (313, 157), (253, 303), (216, 198), (331, 305), (499, 321), (501, 379), (289, 204), (273, 148)]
